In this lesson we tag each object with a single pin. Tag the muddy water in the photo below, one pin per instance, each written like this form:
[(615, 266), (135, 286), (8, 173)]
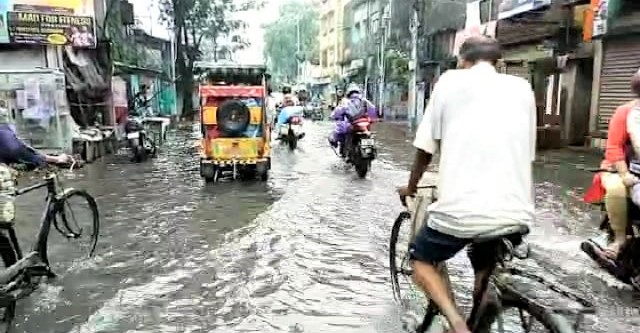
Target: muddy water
[(304, 252)]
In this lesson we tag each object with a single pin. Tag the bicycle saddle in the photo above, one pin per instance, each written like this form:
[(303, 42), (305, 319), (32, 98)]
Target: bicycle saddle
[(516, 231)]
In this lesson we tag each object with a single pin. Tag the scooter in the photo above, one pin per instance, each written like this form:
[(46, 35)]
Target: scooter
[(137, 140), (291, 132), (626, 266)]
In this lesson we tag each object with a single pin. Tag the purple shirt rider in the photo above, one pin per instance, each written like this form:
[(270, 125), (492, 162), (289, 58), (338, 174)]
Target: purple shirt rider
[(353, 107), (13, 150)]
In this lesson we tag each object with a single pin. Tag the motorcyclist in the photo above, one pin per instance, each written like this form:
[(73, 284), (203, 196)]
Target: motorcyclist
[(353, 107), (617, 180), (288, 111)]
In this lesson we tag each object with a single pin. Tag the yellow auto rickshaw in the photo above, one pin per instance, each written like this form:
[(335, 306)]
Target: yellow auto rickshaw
[(235, 131)]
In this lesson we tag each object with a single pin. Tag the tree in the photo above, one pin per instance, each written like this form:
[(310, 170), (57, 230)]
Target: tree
[(281, 38), (194, 22)]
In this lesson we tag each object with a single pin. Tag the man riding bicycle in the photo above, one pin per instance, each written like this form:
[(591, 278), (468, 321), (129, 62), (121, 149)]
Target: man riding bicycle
[(483, 124)]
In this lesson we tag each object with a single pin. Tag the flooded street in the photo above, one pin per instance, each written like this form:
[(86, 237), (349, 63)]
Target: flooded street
[(307, 251)]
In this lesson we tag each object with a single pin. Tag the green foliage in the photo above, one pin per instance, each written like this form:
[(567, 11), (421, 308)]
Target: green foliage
[(205, 20), (397, 66), (123, 48), (281, 38)]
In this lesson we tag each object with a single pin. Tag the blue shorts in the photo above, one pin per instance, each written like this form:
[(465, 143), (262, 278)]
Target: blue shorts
[(433, 247)]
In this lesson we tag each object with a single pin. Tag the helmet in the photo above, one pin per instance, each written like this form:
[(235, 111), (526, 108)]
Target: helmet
[(353, 89)]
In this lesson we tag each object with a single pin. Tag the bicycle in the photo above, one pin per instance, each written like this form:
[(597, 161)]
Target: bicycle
[(23, 273), (499, 288)]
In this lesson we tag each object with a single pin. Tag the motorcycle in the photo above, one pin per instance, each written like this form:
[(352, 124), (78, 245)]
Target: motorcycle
[(308, 111), (317, 113), (291, 132), (137, 140), (359, 148), (626, 266)]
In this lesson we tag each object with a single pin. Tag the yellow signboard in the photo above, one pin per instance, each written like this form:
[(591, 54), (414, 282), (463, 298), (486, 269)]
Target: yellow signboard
[(57, 22)]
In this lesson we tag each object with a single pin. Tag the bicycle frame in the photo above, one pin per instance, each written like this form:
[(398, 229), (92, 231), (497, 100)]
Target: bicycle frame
[(33, 258), (500, 279)]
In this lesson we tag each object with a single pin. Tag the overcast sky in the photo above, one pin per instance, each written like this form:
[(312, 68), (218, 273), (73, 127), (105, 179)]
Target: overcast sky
[(148, 13)]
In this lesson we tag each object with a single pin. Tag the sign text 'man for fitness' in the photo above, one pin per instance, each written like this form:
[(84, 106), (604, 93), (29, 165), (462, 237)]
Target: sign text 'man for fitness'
[(53, 19)]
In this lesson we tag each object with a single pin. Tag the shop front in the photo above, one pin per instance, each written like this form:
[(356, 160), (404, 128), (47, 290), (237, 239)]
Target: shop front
[(38, 107), (621, 59)]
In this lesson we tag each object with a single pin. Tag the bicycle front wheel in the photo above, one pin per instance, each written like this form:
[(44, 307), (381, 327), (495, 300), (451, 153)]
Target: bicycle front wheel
[(76, 220)]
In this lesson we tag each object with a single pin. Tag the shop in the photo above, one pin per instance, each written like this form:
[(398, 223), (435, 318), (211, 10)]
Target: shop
[(621, 59), (38, 106)]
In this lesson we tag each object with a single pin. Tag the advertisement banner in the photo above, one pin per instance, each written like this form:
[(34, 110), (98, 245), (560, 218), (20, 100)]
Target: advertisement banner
[(600, 15), (48, 22), (510, 8)]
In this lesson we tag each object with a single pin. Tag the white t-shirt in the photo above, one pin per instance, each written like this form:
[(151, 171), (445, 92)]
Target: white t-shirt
[(483, 124)]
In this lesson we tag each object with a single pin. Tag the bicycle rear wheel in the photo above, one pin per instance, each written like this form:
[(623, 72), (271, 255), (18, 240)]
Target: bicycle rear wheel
[(77, 220), (514, 314)]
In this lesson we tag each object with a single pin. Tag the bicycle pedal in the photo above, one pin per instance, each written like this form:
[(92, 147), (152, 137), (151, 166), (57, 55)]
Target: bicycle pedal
[(34, 271)]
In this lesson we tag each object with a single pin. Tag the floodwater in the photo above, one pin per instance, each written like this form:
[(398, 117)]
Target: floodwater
[(304, 252)]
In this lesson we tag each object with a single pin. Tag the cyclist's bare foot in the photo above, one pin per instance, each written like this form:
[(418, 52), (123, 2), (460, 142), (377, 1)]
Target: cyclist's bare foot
[(458, 331), (612, 250), (460, 327)]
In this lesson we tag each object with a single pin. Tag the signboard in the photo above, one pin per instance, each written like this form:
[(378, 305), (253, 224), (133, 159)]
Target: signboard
[(48, 22), (510, 8), (600, 10)]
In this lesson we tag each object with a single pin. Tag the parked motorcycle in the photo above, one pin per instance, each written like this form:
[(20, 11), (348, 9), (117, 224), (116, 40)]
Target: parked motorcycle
[(626, 267), (359, 148), (139, 143)]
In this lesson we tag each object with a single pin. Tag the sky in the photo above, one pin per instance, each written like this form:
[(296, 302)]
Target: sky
[(148, 13)]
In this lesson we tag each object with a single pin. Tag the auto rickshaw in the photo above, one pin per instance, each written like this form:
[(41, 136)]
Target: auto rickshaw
[(235, 130)]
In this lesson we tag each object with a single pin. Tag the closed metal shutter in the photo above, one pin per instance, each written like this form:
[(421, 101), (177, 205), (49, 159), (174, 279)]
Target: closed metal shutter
[(621, 61)]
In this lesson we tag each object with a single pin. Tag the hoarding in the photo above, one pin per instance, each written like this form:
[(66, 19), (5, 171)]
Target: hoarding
[(48, 22), (600, 9), (510, 8)]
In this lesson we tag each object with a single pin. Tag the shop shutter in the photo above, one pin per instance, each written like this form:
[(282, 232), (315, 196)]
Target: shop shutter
[(621, 61)]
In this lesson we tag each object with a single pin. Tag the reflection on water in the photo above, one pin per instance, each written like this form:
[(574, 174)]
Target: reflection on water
[(304, 252)]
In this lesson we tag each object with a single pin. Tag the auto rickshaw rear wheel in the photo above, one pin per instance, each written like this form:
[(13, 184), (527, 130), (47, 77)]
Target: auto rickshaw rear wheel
[(208, 172), (262, 169)]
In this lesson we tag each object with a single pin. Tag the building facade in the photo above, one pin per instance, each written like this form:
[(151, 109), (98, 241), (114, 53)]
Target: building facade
[(615, 34), (331, 39)]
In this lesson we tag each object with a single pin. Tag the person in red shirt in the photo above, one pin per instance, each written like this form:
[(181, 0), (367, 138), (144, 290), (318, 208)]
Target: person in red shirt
[(618, 180)]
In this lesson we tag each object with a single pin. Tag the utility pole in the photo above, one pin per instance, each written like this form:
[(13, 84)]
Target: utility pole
[(385, 19), (413, 69), (366, 50), (298, 54)]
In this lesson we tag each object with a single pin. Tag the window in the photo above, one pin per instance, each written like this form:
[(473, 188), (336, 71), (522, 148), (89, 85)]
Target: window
[(323, 59)]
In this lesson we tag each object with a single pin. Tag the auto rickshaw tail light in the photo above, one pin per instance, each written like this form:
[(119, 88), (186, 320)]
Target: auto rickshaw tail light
[(213, 132)]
